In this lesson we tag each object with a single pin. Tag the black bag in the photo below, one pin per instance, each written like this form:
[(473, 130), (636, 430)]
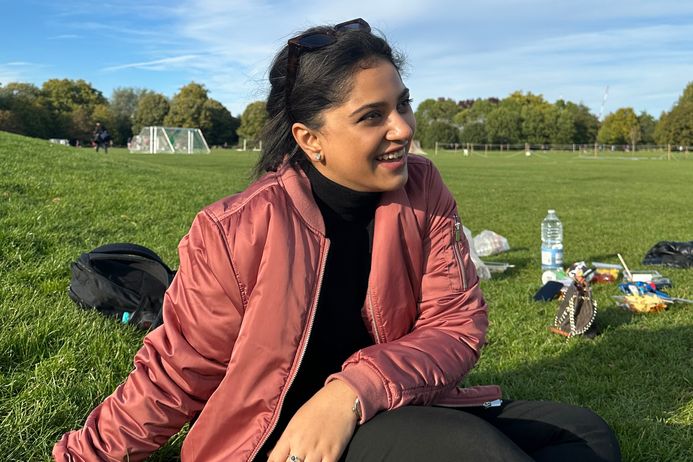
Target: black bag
[(670, 253), (123, 281)]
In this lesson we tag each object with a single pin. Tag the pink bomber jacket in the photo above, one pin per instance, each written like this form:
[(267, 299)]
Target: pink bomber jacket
[(239, 313)]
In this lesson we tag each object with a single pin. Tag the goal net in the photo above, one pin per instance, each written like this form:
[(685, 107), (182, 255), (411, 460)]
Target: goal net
[(171, 140)]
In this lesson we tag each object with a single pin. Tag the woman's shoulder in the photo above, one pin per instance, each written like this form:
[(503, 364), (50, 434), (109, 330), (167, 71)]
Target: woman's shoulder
[(423, 174), (418, 163), (264, 191)]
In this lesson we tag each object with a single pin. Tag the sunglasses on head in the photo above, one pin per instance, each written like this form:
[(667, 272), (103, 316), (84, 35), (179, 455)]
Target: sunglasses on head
[(311, 41)]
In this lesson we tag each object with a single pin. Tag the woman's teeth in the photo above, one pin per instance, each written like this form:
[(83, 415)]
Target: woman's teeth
[(392, 156)]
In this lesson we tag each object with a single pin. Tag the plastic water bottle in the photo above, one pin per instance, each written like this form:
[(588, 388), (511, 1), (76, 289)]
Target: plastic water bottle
[(551, 242)]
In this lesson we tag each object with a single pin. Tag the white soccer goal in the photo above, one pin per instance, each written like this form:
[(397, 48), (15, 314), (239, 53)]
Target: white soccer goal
[(172, 140)]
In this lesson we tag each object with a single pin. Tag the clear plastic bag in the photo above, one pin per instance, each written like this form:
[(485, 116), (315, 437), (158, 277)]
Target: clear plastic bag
[(488, 243), (482, 270)]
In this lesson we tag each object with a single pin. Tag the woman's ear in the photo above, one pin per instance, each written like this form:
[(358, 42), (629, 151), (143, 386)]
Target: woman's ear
[(308, 141)]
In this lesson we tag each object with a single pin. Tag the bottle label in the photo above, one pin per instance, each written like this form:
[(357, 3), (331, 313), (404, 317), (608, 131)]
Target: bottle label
[(552, 257)]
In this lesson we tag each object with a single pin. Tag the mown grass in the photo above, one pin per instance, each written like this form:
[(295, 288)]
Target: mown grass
[(57, 362)]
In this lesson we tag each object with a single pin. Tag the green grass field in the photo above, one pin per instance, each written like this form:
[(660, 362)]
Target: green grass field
[(57, 362)]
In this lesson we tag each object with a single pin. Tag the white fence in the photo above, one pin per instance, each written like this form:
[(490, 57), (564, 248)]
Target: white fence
[(668, 151)]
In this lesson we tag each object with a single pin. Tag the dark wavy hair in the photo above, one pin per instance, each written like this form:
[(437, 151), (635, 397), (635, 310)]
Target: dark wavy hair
[(324, 80)]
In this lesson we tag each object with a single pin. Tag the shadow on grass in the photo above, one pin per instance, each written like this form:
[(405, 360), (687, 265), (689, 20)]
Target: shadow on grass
[(604, 257), (518, 264), (611, 317), (638, 379)]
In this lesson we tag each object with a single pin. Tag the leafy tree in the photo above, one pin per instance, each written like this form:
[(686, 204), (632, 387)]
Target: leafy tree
[(124, 100), (503, 125), (662, 132), (620, 127), (65, 95), (478, 111), (434, 118), (441, 109), (472, 120), (252, 121), (562, 128), (474, 132), (23, 110), (518, 100), (151, 110), (187, 108), (541, 122), (647, 125), (123, 104), (120, 128), (72, 103), (441, 132), (535, 123), (676, 126), (9, 121), (681, 125), (466, 103), (224, 125), (104, 115), (525, 117), (585, 124)]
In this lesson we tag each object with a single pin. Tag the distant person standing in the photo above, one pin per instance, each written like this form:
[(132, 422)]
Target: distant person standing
[(101, 138)]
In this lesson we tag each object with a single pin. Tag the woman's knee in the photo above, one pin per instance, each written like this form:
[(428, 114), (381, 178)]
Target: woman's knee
[(567, 424), (428, 433)]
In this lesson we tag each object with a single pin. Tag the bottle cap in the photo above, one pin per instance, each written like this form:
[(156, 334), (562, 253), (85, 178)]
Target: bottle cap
[(552, 211)]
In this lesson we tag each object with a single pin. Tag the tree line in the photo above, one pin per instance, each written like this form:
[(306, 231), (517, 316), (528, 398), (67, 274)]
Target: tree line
[(527, 118), (69, 109), (64, 108)]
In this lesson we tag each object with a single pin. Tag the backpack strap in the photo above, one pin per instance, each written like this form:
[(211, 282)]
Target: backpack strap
[(132, 249)]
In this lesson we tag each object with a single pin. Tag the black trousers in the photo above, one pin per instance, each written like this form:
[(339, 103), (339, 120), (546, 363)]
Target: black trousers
[(515, 431)]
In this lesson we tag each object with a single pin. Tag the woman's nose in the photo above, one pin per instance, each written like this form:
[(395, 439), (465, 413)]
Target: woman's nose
[(401, 126)]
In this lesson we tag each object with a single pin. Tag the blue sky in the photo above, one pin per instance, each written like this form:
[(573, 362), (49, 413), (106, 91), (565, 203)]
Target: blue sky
[(641, 49)]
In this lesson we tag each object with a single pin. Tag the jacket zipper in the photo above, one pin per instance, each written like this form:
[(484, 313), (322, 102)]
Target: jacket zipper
[(457, 237), (372, 312), (300, 359), (484, 404)]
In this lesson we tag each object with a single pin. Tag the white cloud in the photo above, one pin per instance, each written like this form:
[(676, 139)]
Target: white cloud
[(163, 64), (64, 37), (458, 49)]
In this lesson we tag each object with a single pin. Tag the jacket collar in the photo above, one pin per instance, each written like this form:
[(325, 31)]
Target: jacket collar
[(297, 185)]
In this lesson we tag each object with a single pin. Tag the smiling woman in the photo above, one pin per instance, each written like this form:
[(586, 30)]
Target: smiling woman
[(362, 143), (329, 311)]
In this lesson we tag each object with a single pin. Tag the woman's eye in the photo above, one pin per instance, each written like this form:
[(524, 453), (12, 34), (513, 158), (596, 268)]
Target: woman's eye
[(371, 115), (405, 104)]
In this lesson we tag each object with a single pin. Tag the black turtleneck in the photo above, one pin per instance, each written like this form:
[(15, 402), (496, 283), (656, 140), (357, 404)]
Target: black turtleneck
[(338, 328)]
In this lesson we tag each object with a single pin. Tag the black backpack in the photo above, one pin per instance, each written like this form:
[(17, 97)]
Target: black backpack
[(123, 281)]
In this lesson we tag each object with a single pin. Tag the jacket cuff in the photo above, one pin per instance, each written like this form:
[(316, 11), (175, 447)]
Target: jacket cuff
[(370, 387)]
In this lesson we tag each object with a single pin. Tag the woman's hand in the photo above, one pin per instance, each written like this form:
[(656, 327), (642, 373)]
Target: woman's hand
[(321, 429)]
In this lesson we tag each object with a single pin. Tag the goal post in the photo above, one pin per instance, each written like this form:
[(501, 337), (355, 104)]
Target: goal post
[(170, 140)]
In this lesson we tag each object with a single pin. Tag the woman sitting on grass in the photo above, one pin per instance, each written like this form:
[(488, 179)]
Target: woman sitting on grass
[(330, 310)]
